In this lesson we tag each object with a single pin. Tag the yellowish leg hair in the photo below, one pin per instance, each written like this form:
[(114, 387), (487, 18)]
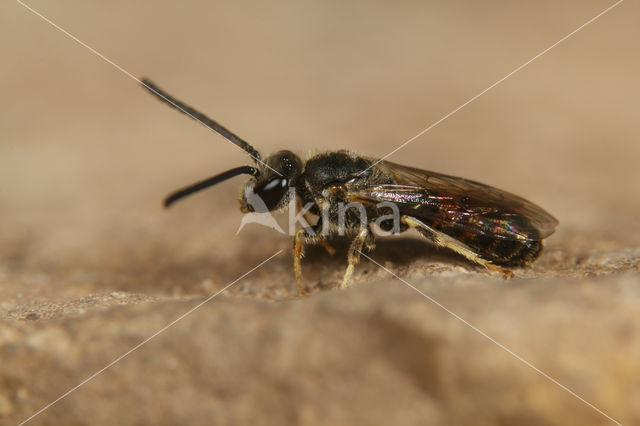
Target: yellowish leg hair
[(328, 247), (354, 256), (298, 254), (443, 240)]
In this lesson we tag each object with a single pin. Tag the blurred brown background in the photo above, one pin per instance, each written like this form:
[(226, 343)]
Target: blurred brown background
[(90, 264)]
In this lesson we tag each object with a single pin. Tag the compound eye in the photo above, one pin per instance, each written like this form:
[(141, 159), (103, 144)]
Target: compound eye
[(272, 191)]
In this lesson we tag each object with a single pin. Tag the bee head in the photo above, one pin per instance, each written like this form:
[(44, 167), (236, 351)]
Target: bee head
[(274, 184)]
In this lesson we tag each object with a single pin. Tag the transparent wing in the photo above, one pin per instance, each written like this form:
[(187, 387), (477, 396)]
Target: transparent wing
[(458, 206)]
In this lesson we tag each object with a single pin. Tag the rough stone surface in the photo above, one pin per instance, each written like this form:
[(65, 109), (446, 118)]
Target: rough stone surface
[(91, 266)]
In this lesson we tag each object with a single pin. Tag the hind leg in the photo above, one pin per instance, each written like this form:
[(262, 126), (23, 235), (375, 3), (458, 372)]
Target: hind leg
[(443, 240)]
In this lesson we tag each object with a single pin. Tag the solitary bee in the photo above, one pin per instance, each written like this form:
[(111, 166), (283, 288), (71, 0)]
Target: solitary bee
[(486, 225)]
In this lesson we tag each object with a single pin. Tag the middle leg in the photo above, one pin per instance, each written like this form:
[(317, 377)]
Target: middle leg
[(353, 256)]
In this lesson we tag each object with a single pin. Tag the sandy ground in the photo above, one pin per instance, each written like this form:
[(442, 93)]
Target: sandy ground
[(91, 265)]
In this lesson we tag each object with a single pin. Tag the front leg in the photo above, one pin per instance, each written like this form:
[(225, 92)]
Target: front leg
[(302, 236), (298, 254), (328, 247)]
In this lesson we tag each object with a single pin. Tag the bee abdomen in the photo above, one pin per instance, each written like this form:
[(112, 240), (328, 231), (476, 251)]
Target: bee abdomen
[(507, 252)]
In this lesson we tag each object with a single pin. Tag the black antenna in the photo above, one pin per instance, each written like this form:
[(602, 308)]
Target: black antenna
[(198, 186), (203, 119)]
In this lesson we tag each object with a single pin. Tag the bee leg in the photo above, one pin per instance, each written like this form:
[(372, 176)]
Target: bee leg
[(443, 240), (354, 254), (328, 247), (506, 274), (298, 254), (305, 235)]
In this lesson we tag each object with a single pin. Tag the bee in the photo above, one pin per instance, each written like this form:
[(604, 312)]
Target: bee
[(488, 226)]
